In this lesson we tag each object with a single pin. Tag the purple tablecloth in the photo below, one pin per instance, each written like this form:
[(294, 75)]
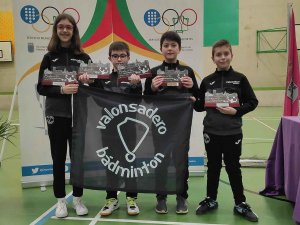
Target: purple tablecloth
[(283, 165)]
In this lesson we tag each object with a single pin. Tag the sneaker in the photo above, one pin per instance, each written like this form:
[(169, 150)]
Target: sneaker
[(132, 207), (161, 206), (79, 206), (61, 208), (111, 205), (244, 210), (206, 205), (181, 207)]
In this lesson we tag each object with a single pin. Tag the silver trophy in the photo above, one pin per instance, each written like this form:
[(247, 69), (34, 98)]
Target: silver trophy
[(95, 70), (139, 68), (59, 77), (172, 77), (221, 99)]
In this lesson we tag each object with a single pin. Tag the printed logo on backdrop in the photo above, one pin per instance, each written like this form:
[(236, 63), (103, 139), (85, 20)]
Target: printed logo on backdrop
[(179, 21), (47, 15), (135, 169), (38, 170), (41, 21)]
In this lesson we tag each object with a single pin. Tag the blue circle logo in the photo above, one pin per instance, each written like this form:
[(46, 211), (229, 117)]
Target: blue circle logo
[(30, 14), (152, 17)]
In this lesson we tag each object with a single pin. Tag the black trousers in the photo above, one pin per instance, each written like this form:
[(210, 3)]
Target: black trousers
[(161, 175), (113, 194), (229, 148), (60, 133), (113, 180)]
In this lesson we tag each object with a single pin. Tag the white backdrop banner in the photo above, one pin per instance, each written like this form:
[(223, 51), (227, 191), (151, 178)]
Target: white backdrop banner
[(100, 22)]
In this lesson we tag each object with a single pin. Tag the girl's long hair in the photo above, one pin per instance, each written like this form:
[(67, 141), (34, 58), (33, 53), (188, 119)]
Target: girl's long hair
[(54, 44)]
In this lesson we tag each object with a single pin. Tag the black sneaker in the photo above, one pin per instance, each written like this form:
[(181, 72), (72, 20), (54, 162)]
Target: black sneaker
[(161, 206), (181, 207), (244, 210), (206, 205)]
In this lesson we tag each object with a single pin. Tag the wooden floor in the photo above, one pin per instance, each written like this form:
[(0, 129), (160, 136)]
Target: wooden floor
[(32, 206)]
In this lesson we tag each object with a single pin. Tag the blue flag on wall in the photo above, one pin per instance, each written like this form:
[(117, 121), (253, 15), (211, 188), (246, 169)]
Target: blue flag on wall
[(129, 142)]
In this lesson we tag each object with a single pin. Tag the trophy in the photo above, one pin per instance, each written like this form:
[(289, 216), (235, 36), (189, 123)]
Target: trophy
[(139, 68), (95, 70), (59, 77), (221, 99), (171, 77)]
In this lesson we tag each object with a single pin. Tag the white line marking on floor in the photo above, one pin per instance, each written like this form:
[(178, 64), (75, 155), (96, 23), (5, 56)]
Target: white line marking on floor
[(96, 219), (264, 124), (44, 215), (98, 216), (262, 118), (260, 139), (135, 221)]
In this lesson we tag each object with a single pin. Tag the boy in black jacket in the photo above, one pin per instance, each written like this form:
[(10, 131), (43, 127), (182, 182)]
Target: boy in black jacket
[(170, 46), (222, 132), (118, 54)]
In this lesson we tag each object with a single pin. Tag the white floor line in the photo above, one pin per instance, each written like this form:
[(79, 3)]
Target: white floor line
[(43, 215), (260, 139), (95, 219), (134, 221), (262, 118), (47, 212), (98, 216), (271, 128)]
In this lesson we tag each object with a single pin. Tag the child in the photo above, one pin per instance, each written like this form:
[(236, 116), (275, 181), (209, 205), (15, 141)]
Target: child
[(170, 46), (64, 51), (222, 132), (118, 53)]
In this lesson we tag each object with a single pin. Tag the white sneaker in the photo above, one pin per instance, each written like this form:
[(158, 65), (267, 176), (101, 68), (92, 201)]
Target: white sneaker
[(132, 207), (79, 206), (61, 208), (111, 205)]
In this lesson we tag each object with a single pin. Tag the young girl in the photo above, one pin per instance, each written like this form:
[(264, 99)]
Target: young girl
[(64, 51)]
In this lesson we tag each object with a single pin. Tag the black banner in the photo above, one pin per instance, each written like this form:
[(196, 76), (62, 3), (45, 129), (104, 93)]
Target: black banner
[(130, 143)]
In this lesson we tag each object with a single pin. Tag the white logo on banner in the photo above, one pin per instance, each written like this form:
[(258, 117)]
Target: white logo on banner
[(107, 160), (130, 156)]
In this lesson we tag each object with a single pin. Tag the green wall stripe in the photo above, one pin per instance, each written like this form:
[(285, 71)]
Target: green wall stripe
[(221, 21), (125, 14), (96, 20)]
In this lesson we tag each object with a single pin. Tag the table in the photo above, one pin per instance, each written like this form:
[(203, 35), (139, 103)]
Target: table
[(283, 165)]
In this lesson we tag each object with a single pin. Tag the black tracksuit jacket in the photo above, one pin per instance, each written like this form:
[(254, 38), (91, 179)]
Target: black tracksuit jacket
[(171, 90), (231, 82), (58, 104)]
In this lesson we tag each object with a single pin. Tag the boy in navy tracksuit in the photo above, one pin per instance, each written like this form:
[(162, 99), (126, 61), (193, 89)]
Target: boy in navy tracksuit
[(170, 46), (222, 132)]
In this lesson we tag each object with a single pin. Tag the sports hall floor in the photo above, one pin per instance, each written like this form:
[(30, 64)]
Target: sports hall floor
[(32, 206)]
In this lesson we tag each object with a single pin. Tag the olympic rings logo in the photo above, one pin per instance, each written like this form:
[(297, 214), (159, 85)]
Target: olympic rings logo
[(171, 18), (31, 15)]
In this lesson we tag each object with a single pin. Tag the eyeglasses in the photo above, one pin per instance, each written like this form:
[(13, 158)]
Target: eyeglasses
[(67, 27), (116, 56)]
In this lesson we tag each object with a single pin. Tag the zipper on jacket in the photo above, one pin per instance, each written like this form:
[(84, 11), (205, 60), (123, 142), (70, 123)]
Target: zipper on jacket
[(222, 80), (67, 59)]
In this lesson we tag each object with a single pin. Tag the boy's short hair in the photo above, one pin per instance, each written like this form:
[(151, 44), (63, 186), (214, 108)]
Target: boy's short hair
[(171, 36), (118, 46), (221, 43)]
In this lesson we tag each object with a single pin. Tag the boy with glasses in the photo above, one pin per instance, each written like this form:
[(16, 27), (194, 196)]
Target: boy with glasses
[(118, 54)]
